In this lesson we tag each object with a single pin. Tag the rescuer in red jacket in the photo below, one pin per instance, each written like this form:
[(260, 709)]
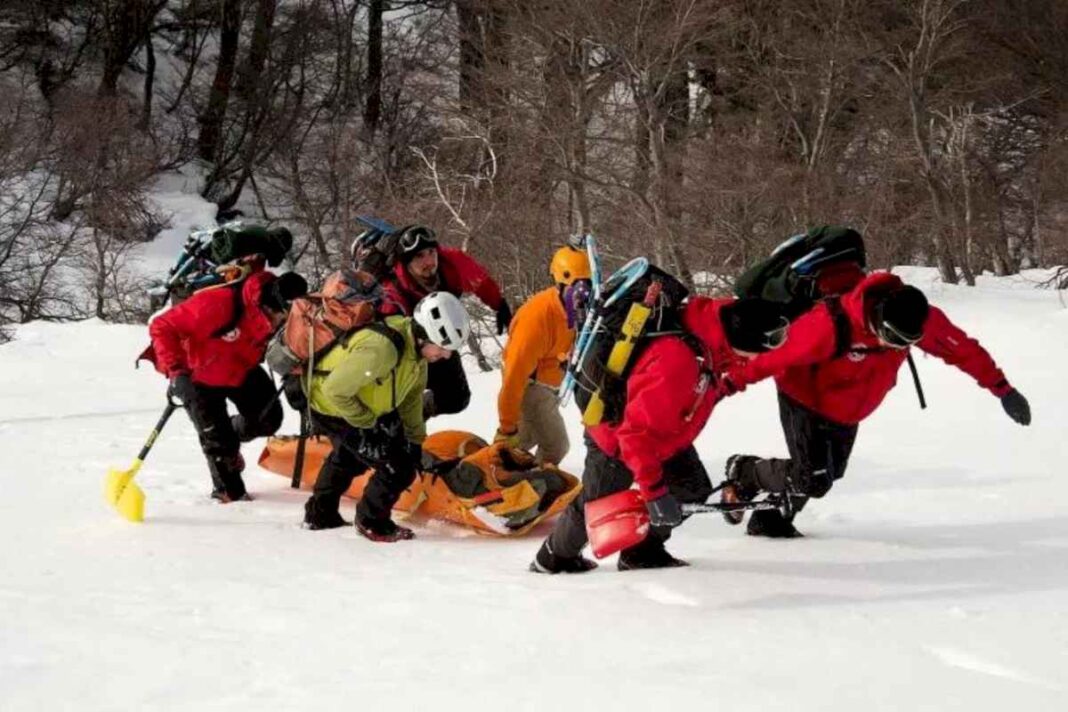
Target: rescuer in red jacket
[(840, 361), (423, 266), (210, 347), (671, 392)]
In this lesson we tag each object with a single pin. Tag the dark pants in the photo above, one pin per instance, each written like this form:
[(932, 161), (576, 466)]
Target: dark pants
[(383, 448), (684, 474), (819, 451), (259, 414), (446, 380)]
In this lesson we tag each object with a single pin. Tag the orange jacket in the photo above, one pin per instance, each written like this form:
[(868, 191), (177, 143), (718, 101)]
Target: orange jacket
[(538, 343)]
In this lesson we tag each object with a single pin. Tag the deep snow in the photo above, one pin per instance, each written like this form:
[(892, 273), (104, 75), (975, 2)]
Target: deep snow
[(934, 576)]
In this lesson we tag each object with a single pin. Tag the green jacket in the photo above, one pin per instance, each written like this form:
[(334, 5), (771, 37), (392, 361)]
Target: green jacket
[(362, 379)]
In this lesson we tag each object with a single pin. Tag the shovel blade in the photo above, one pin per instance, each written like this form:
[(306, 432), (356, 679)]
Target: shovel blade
[(122, 493), (616, 522)]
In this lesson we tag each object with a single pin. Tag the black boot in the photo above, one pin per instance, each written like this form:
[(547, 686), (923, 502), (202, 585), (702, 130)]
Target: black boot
[(385, 531), (546, 562), (227, 485), (650, 554), (734, 490), (771, 523), (380, 530), (317, 517)]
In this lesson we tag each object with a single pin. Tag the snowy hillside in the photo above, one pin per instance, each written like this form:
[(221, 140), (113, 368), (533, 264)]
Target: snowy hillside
[(934, 577)]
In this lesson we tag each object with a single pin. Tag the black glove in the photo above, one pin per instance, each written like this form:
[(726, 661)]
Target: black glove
[(664, 511), (1017, 407), (504, 317), (182, 388)]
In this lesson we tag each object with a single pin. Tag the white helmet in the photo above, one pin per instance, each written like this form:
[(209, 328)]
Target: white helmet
[(444, 319)]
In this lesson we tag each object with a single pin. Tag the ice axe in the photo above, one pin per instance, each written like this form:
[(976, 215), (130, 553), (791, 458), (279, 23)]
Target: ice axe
[(120, 490)]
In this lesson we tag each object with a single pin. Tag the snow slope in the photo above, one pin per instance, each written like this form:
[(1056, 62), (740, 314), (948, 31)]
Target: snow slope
[(934, 577)]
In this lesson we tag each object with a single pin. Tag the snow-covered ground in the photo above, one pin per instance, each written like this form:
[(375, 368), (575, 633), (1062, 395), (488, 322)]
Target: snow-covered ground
[(934, 577)]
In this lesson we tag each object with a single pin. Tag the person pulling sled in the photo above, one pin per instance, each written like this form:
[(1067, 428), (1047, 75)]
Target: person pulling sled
[(539, 338), (366, 395), (841, 360), (644, 408), (210, 347)]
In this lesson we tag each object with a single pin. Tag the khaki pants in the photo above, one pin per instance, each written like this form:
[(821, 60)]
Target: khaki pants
[(541, 425)]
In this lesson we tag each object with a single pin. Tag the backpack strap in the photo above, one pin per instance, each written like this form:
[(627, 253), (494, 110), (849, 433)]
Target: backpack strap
[(237, 310), (843, 330), (395, 337)]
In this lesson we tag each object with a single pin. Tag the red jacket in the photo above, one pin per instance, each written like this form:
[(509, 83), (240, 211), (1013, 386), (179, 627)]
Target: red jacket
[(669, 398), (183, 336), (849, 388), (458, 274)]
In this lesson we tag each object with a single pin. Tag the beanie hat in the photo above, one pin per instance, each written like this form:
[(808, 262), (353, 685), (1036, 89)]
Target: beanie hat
[(899, 317), (753, 325), (413, 240), (279, 293)]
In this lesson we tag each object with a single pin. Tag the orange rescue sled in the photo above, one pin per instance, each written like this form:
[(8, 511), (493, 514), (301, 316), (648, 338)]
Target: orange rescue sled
[(489, 488)]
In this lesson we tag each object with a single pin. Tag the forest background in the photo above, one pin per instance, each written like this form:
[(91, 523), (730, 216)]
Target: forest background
[(698, 132)]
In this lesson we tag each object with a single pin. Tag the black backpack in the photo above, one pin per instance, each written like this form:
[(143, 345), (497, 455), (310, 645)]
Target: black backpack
[(789, 276), (649, 307)]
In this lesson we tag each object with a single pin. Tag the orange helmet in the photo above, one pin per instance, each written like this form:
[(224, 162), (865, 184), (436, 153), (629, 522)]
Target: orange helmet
[(569, 264)]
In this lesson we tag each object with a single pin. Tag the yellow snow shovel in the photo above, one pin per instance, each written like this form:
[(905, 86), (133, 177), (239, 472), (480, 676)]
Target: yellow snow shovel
[(120, 490)]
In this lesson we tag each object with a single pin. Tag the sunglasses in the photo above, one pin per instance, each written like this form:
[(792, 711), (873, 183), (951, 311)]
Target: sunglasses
[(776, 337), (894, 338)]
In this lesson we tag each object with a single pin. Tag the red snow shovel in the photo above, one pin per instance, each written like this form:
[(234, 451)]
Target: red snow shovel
[(120, 490), (616, 522)]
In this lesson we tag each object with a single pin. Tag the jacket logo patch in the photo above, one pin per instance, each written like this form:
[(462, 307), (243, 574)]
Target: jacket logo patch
[(231, 336)]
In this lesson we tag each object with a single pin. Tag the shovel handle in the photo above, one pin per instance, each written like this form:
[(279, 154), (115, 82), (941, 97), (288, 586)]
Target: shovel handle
[(163, 418)]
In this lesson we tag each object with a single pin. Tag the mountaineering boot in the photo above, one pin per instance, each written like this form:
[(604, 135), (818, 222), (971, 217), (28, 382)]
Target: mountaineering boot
[(546, 562), (771, 523), (317, 518), (222, 497), (650, 554), (227, 485), (384, 531), (734, 492)]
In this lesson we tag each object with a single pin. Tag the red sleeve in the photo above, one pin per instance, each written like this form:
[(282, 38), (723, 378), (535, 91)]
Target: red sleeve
[(473, 277), (195, 319), (811, 339), (947, 341), (392, 301), (656, 402)]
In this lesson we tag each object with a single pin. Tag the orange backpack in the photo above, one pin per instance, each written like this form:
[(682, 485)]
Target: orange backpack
[(317, 321)]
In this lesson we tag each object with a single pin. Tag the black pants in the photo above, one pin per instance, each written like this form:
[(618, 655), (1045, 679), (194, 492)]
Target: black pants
[(686, 479), (355, 450), (259, 414), (819, 452), (446, 380)]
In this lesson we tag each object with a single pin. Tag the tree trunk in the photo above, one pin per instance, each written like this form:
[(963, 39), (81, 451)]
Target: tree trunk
[(251, 81), (211, 120), (472, 59), (150, 78), (126, 24), (372, 111)]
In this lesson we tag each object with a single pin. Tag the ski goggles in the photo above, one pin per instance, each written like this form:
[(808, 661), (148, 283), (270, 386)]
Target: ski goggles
[(894, 338), (416, 239), (776, 337)]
